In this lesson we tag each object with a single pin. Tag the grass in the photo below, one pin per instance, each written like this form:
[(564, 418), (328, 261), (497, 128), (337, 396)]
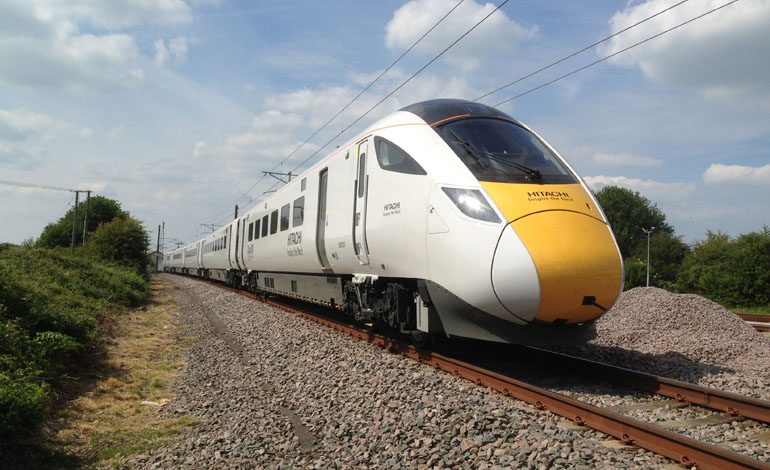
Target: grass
[(101, 421), (54, 310), (753, 310), (109, 423)]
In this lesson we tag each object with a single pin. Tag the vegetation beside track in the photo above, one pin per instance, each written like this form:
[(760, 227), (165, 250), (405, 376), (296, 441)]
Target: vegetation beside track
[(733, 271), (54, 308), (118, 415)]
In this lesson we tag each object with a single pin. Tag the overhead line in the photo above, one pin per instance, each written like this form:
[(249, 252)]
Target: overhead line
[(402, 84), (591, 46), (39, 186), (354, 99), (616, 53)]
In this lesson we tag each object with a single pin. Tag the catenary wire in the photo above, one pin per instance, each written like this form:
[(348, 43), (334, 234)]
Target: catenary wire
[(580, 69), (435, 58), (573, 54), (364, 90), (38, 186)]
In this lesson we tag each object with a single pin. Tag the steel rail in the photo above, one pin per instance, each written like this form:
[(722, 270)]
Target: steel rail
[(686, 451), (755, 318), (731, 403), (759, 322)]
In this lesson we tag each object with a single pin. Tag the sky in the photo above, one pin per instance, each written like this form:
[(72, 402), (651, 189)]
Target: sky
[(175, 107)]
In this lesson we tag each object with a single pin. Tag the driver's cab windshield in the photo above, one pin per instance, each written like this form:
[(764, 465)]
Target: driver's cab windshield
[(497, 150)]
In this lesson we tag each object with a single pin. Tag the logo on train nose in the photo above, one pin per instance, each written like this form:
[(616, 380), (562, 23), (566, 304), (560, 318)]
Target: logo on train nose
[(535, 196)]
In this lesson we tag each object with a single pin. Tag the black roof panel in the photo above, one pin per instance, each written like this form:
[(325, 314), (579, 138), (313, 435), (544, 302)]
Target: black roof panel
[(434, 111)]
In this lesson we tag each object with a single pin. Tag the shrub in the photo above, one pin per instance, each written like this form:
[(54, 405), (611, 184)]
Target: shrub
[(22, 404), (52, 349), (51, 304), (635, 273), (122, 241), (729, 271), (100, 210)]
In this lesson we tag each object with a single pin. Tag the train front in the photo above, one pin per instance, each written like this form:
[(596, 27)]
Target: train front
[(540, 245)]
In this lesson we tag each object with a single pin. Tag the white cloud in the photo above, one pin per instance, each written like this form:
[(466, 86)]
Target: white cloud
[(116, 133), (249, 88), (42, 45), (117, 14), (722, 55), (498, 34), (25, 135), (95, 186), (168, 196), (176, 49), (655, 190), (737, 174), (52, 52), (625, 160), (614, 160), (161, 52)]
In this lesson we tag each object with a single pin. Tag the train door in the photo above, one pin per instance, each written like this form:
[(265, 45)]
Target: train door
[(242, 245), (238, 239), (359, 205), (229, 244), (320, 238)]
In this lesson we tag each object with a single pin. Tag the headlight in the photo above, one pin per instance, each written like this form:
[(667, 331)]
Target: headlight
[(472, 203)]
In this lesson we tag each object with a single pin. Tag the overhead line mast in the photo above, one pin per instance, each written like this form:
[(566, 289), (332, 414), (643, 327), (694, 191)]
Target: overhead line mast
[(74, 209)]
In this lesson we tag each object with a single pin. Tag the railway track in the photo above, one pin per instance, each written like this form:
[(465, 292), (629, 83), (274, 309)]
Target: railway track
[(684, 450), (759, 322)]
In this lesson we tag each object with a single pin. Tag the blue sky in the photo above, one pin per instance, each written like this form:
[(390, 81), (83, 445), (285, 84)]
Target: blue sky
[(174, 107)]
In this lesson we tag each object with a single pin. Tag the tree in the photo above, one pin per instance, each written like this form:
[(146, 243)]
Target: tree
[(628, 213), (667, 251), (730, 271), (100, 210), (123, 241)]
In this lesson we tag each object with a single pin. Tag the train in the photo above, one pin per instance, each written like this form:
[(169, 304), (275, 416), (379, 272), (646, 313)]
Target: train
[(445, 219)]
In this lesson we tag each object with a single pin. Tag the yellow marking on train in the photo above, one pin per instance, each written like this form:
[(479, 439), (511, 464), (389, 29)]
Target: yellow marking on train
[(519, 200), (572, 247), (575, 257)]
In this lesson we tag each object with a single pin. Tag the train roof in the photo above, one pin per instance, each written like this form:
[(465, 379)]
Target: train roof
[(440, 110)]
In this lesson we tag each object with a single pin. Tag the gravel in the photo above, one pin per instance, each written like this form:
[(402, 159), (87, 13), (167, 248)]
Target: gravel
[(682, 336), (272, 390)]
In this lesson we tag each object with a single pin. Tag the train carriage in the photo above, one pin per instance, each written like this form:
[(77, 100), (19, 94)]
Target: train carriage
[(445, 218)]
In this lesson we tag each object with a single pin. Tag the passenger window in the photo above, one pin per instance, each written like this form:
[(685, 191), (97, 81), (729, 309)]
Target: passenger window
[(392, 158), (256, 229), (285, 217), (224, 242), (264, 226), (361, 174), (274, 222), (251, 231), (298, 215)]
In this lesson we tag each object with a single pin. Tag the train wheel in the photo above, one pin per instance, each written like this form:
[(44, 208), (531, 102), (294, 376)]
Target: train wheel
[(421, 340)]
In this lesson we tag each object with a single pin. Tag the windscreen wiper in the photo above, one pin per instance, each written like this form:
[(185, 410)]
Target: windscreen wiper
[(468, 147), (532, 173)]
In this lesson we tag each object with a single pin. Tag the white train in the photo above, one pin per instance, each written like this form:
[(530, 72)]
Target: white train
[(447, 217)]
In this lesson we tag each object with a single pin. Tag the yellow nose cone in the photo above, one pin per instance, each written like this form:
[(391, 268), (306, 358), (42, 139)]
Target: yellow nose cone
[(576, 261)]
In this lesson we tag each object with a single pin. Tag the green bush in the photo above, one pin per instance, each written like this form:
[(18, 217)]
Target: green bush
[(14, 345), (733, 272), (122, 241), (22, 404), (635, 273), (100, 211), (52, 349), (51, 305)]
